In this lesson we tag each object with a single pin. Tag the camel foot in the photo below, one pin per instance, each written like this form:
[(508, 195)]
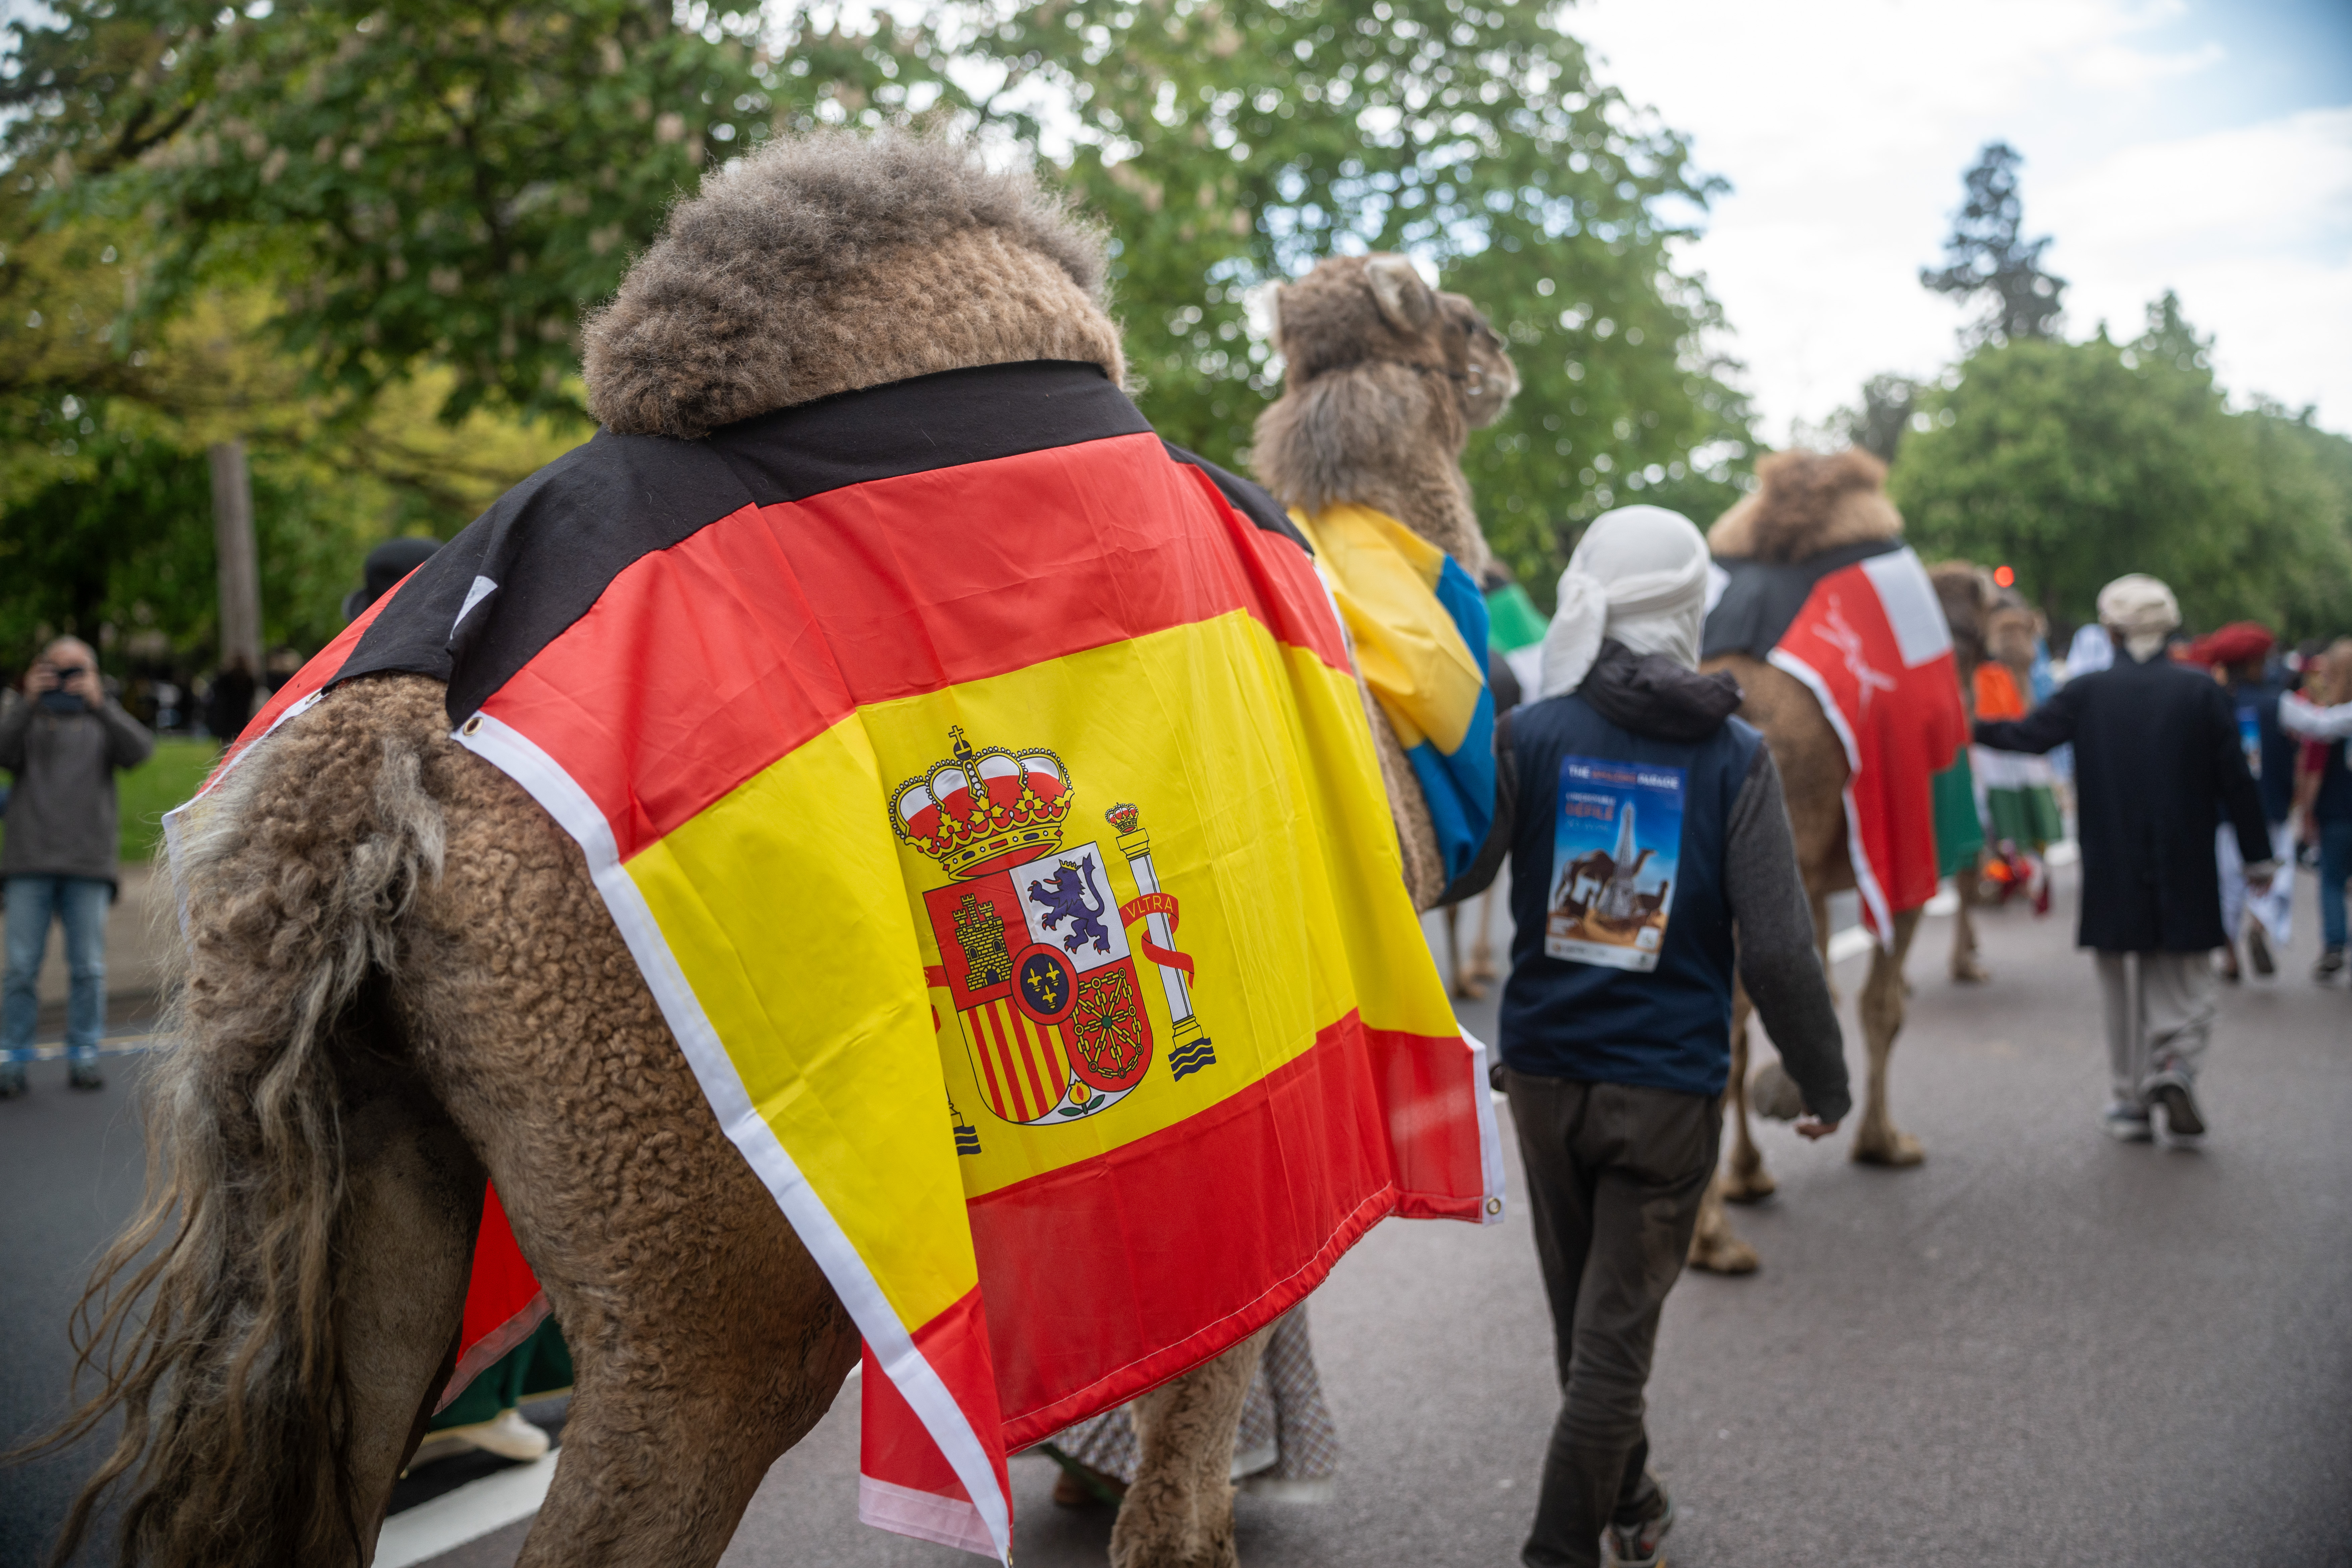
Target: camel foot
[(1749, 1186), (1895, 1150), (1969, 971), (1721, 1252)]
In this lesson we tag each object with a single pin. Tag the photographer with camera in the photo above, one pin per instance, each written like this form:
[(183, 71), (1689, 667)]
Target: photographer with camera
[(64, 739)]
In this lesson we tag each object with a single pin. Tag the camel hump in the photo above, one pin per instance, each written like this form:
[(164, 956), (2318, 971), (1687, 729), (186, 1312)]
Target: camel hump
[(831, 261), (1805, 503)]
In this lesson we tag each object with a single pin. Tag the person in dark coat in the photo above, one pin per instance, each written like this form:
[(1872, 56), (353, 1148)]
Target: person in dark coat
[(2157, 760), (65, 739)]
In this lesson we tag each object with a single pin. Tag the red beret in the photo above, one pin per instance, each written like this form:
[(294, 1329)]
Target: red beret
[(2240, 642)]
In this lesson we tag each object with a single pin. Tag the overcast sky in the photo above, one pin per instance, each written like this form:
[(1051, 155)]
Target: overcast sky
[(2193, 144)]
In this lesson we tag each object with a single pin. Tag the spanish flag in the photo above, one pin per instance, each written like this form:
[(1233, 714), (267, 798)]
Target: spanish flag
[(981, 787)]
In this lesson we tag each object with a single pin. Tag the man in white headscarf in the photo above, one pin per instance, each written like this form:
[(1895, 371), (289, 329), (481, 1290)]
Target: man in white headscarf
[(1649, 827), (2157, 760)]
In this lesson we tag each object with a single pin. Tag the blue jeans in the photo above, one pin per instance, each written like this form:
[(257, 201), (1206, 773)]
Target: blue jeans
[(33, 902), (2335, 865)]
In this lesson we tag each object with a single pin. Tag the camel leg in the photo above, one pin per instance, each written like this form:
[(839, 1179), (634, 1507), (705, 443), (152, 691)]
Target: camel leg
[(1876, 1142), (1967, 967), (1715, 1246), (1179, 1514), (1821, 946), (1464, 984), (1482, 945), (415, 1201), (1747, 1180), (705, 1339)]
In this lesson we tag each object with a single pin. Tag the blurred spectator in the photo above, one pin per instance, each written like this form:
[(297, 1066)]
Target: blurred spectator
[(64, 739), (387, 563), (2239, 655), (2019, 796), (229, 703), (2323, 788), (2090, 652)]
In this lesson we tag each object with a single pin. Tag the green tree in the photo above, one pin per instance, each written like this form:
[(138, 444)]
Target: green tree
[(1230, 146), (452, 182), (2074, 463), (1988, 253), (429, 182)]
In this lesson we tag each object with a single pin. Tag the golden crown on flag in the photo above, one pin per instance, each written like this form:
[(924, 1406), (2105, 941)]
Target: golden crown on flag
[(972, 810)]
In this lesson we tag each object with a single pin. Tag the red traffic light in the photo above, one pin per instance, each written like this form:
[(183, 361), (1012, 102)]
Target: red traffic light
[(2004, 576)]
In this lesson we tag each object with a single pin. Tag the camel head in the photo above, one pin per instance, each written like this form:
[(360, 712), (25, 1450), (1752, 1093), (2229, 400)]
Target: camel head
[(1967, 594), (1805, 503), (827, 262), (2010, 631), (1384, 379), (1489, 379)]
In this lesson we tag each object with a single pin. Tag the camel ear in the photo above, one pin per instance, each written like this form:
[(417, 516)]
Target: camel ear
[(1403, 299)]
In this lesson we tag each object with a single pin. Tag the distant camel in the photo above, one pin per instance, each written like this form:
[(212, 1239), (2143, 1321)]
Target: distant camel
[(1806, 505)]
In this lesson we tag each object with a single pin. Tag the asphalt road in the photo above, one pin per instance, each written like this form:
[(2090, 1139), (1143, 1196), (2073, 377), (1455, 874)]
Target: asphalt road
[(2038, 1348)]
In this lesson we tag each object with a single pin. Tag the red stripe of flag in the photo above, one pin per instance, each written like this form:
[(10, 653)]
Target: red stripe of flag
[(704, 663), (987, 1059), (1031, 1050), (1226, 1219)]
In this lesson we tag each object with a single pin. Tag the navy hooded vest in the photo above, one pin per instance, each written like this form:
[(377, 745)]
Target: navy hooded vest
[(1622, 963)]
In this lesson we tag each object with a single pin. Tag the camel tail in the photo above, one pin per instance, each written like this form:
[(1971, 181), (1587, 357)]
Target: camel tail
[(293, 876)]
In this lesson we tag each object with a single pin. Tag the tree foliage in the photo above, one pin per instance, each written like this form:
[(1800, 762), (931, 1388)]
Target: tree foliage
[(436, 182), (2074, 463), (1230, 146), (1987, 254), (453, 182)]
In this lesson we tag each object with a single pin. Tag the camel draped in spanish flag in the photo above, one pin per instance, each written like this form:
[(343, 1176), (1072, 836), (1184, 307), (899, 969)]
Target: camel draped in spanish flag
[(982, 790)]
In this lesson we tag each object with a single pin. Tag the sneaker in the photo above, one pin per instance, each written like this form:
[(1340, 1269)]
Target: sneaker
[(2330, 965), (2258, 951), (2125, 1123), (1641, 1545), (13, 1081), (85, 1075), (509, 1436), (2169, 1098)]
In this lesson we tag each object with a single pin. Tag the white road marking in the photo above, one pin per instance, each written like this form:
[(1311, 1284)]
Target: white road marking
[(1851, 942), (470, 1512), (474, 1510)]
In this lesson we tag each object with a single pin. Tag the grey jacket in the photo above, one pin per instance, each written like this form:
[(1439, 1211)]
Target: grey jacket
[(62, 813)]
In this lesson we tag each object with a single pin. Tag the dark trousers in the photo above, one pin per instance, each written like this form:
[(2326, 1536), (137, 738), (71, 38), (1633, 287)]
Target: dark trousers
[(1615, 1174)]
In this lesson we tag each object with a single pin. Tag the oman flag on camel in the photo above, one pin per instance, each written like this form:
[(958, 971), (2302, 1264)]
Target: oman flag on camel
[(1861, 626)]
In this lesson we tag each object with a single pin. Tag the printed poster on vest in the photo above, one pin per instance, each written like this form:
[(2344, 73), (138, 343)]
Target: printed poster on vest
[(1615, 847)]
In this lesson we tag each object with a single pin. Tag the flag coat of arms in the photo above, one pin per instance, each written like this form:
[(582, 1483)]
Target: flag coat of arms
[(982, 789), (1862, 628)]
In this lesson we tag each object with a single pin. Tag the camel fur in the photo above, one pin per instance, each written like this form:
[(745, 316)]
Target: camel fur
[(1805, 503), (401, 981), (1383, 379)]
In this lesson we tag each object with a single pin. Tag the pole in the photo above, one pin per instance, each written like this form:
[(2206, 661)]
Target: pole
[(240, 566)]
